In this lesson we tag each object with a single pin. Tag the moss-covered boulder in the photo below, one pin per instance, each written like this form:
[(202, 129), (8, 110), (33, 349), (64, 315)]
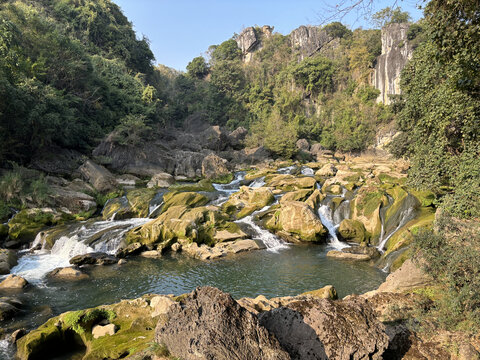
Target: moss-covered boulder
[(139, 200), (133, 320), (315, 199), (189, 199), (26, 224), (425, 197), (299, 195), (334, 189), (327, 292), (286, 182), (353, 230), (248, 200), (258, 173), (118, 209), (201, 224), (299, 220)]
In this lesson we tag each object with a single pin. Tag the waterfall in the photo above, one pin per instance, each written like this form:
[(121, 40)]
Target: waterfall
[(226, 190), (307, 171), (405, 216), (100, 236), (258, 183), (325, 214), (286, 170), (271, 241)]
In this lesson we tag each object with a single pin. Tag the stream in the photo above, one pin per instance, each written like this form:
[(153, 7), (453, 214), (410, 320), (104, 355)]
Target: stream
[(280, 270)]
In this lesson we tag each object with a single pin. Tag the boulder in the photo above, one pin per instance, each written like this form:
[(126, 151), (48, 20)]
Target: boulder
[(8, 259), (408, 277), (8, 308), (98, 176), (288, 182), (13, 282), (202, 252), (160, 305), (210, 324), (299, 195), (128, 180), (56, 160), (67, 273), (325, 329), (298, 219), (189, 199), (161, 180), (302, 144), (97, 258), (237, 137), (239, 246), (214, 167), (118, 209), (353, 230), (102, 330), (328, 170), (248, 200), (74, 201), (355, 253), (327, 292)]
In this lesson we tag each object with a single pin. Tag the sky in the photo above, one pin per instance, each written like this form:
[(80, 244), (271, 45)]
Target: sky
[(180, 30)]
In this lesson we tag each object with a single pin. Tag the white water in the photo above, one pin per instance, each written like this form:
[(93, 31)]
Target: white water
[(271, 241), (34, 265), (258, 183), (307, 171), (325, 214), (405, 217), (286, 170), (7, 350)]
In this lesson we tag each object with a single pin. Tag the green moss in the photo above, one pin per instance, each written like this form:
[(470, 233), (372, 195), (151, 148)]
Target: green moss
[(224, 179), (190, 199), (101, 199), (202, 185), (37, 342), (26, 224), (426, 197), (139, 200), (404, 256)]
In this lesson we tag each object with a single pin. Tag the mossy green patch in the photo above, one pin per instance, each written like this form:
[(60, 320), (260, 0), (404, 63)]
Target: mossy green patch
[(425, 197), (189, 199), (224, 179), (139, 200)]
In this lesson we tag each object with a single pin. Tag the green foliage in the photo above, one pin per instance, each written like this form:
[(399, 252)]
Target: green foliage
[(338, 30), (315, 74), (441, 106), (197, 68), (389, 16), (226, 51), (132, 130), (451, 257)]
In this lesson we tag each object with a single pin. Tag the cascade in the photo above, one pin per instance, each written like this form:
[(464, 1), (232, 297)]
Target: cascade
[(405, 216), (325, 214), (307, 171), (258, 183), (287, 170)]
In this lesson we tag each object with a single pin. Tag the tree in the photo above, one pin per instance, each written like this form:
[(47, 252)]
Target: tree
[(197, 68), (390, 16)]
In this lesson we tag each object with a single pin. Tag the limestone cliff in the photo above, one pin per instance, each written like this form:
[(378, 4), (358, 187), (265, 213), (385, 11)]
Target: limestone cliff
[(250, 38), (396, 51)]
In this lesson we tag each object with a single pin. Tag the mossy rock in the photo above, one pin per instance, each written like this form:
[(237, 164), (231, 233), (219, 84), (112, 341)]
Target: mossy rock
[(327, 292), (315, 199), (334, 189), (224, 179), (119, 207), (287, 182), (425, 197), (353, 230), (247, 200), (139, 200), (202, 185), (258, 173), (299, 195), (132, 318), (189, 199), (26, 224)]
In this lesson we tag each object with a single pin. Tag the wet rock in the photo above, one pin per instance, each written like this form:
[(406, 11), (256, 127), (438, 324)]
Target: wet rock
[(8, 309), (355, 253), (129, 249), (122, 262), (288, 182), (324, 329), (239, 246), (327, 292), (298, 219), (299, 195), (202, 252), (248, 200), (352, 230), (161, 180), (93, 259), (17, 334), (210, 324), (8, 259), (154, 254), (102, 330), (98, 176), (214, 167), (67, 273), (13, 282), (328, 170)]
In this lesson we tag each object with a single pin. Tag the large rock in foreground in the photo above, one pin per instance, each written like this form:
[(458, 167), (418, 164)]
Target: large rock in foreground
[(324, 329), (210, 324)]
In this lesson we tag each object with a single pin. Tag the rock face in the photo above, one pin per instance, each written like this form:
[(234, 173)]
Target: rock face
[(323, 329), (408, 276), (396, 51), (100, 178), (249, 40), (214, 167), (248, 200), (210, 324), (308, 40), (8, 259)]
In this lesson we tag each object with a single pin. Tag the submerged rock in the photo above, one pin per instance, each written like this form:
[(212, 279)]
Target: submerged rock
[(210, 324), (324, 329), (355, 253), (93, 259)]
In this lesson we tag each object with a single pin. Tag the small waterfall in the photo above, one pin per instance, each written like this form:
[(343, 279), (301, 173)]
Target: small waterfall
[(342, 212), (100, 236), (405, 216), (286, 170), (156, 204), (271, 241), (325, 214), (258, 183), (307, 171), (225, 190)]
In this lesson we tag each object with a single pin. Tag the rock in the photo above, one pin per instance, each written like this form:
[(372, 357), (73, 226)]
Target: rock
[(302, 144), (324, 329), (139, 201), (3, 231), (239, 246), (189, 199), (247, 41), (214, 167), (72, 200), (315, 199), (210, 324), (160, 305), (56, 160), (67, 273), (297, 218), (237, 137), (122, 262), (334, 189), (161, 180), (129, 249), (202, 252), (8, 259), (327, 292), (225, 235), (13, 282), (100, 178), (8, 309), (288, 182), (97, 258), (299, 195), (118, 209), (17, 334), (328, 170), (252, 155), (151, 254), (176, 247), (353, 230), (128, 180), (248, 200), (308, 40), (102, 330), (348, 256), (409, 276), (356, 253)]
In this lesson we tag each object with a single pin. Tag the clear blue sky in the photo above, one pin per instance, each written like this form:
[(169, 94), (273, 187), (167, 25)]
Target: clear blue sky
[(180, 30)]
